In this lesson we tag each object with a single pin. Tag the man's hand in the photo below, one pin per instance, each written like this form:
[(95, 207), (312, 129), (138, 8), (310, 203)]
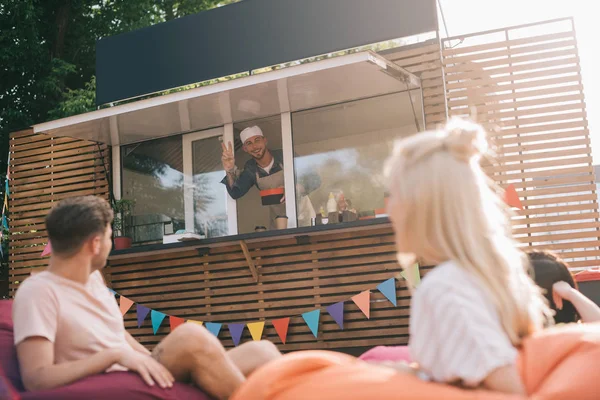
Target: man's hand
[(227, 158), (149, 369)]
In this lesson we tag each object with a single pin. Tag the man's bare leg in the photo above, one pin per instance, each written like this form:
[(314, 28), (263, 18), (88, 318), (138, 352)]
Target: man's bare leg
[(192, 353), (251, 355)]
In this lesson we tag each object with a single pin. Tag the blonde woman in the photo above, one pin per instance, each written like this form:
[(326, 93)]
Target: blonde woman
[(471, 312)]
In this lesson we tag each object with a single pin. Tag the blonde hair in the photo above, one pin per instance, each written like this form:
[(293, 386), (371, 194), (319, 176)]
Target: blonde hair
[(444, 207)]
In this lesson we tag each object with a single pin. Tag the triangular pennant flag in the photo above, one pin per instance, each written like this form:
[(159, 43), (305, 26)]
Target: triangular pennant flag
[(337, 312), (195, 322), (236, 332), (112, 291), (413, 275), (4, 222), (157, 319), (125, 304), (363, 301), (47, 249), (213, 327), (7, 189), (5, 200), (312, 320), (142, 313), (174, 322), (281, 327), (511, 197), (388, 289), (8, 171), (256, 329)]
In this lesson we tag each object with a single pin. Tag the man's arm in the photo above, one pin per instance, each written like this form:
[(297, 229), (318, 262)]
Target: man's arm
[(586, 308), (38, 371), (135, 345), (241, 184)]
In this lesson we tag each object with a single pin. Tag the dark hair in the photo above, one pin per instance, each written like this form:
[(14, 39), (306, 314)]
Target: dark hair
[(548, 268), (74, 220)]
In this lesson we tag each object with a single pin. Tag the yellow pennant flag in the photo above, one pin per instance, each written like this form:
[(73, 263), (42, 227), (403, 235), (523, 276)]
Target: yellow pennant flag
[(256, 329), (195, 322), (412, 275)]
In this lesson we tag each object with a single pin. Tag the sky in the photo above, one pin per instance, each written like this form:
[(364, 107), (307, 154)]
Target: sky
[(469, 16)]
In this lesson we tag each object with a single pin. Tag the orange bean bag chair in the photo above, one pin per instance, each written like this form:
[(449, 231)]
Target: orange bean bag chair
[(559, 363)]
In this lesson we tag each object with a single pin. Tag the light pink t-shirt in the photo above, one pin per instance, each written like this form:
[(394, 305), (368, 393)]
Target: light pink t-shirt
[(79, 319)]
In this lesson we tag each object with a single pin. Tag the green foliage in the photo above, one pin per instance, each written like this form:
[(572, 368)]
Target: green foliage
[(123, 210)]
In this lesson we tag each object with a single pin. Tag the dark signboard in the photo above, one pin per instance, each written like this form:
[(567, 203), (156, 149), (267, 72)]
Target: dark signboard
[(248, 35)]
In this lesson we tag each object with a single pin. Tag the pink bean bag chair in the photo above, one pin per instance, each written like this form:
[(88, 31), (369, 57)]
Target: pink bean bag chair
[(387, 353), (112, 386)]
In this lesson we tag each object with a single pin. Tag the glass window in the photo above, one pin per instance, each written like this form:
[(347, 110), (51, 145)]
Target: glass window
[(209, 202), (152, 176), (339, 153)]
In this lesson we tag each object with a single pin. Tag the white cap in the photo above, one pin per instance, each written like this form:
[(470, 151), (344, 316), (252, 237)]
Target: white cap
[(250, 132)]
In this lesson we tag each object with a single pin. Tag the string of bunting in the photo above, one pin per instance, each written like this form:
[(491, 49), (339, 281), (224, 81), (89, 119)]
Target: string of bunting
[(311, 318)]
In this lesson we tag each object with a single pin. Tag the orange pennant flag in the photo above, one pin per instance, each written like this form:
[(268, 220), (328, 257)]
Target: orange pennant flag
[(256, 329), (125, 304), (363, 301), (195, 322), (175, 322), (281, 326), (511, 197)]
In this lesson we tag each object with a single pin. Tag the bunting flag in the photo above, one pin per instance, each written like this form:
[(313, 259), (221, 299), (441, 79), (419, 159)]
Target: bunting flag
[(337, 313), (142, 312), (281, 327), (256, 329), (412, 275), (5, 202), (312, 320), (511, 197), (4, 222), (125, 304), (47, 249), (174, 322), (388, 289), (7, 190), (157, 319), (363, 301), (236, 331), (213, 327)]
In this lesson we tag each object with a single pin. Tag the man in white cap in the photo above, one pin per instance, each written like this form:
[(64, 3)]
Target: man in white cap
[(264, 169)]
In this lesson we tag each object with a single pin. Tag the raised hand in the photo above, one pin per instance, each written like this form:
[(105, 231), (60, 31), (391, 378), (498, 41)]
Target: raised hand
[(561, 291), (227, 157)]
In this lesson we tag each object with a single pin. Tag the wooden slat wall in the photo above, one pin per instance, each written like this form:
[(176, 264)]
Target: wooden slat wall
[(44, 170), (293, 278), (525, 85), (425, 61)]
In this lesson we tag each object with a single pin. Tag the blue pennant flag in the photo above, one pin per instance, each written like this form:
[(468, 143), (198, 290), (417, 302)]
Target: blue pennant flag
[(112, 291), (312, 320), (4, 222), (157, 319), (213, 327), (7, 189), (388, 288), (337, 313)]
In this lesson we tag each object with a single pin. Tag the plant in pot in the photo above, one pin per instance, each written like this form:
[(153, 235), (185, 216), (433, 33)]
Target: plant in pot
[(123, 209)]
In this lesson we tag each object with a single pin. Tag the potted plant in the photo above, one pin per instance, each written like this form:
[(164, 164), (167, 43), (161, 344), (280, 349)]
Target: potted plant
[(123, 209)]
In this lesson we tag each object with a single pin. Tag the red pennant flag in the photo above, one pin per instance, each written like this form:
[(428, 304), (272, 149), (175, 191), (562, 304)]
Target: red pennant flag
[(281, 326), (125, 304), (363, 301), (511, 197), (47, 249), (175, 322)]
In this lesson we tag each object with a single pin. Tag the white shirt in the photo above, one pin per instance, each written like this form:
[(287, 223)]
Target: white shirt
[(455, 330), (267, 169)]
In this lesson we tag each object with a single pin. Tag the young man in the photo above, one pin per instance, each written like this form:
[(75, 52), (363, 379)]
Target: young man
[(67, 325)]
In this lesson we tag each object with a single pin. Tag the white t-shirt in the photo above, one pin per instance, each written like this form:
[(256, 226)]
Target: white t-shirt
[(80, 320), (267, 169), (455, 330)]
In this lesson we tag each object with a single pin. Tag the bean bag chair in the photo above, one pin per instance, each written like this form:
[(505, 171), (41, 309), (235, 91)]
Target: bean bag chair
[(387, 353), (559, 363), (111, 386)]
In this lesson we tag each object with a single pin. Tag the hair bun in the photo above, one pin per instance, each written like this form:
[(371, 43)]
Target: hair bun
[(465, 139)]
